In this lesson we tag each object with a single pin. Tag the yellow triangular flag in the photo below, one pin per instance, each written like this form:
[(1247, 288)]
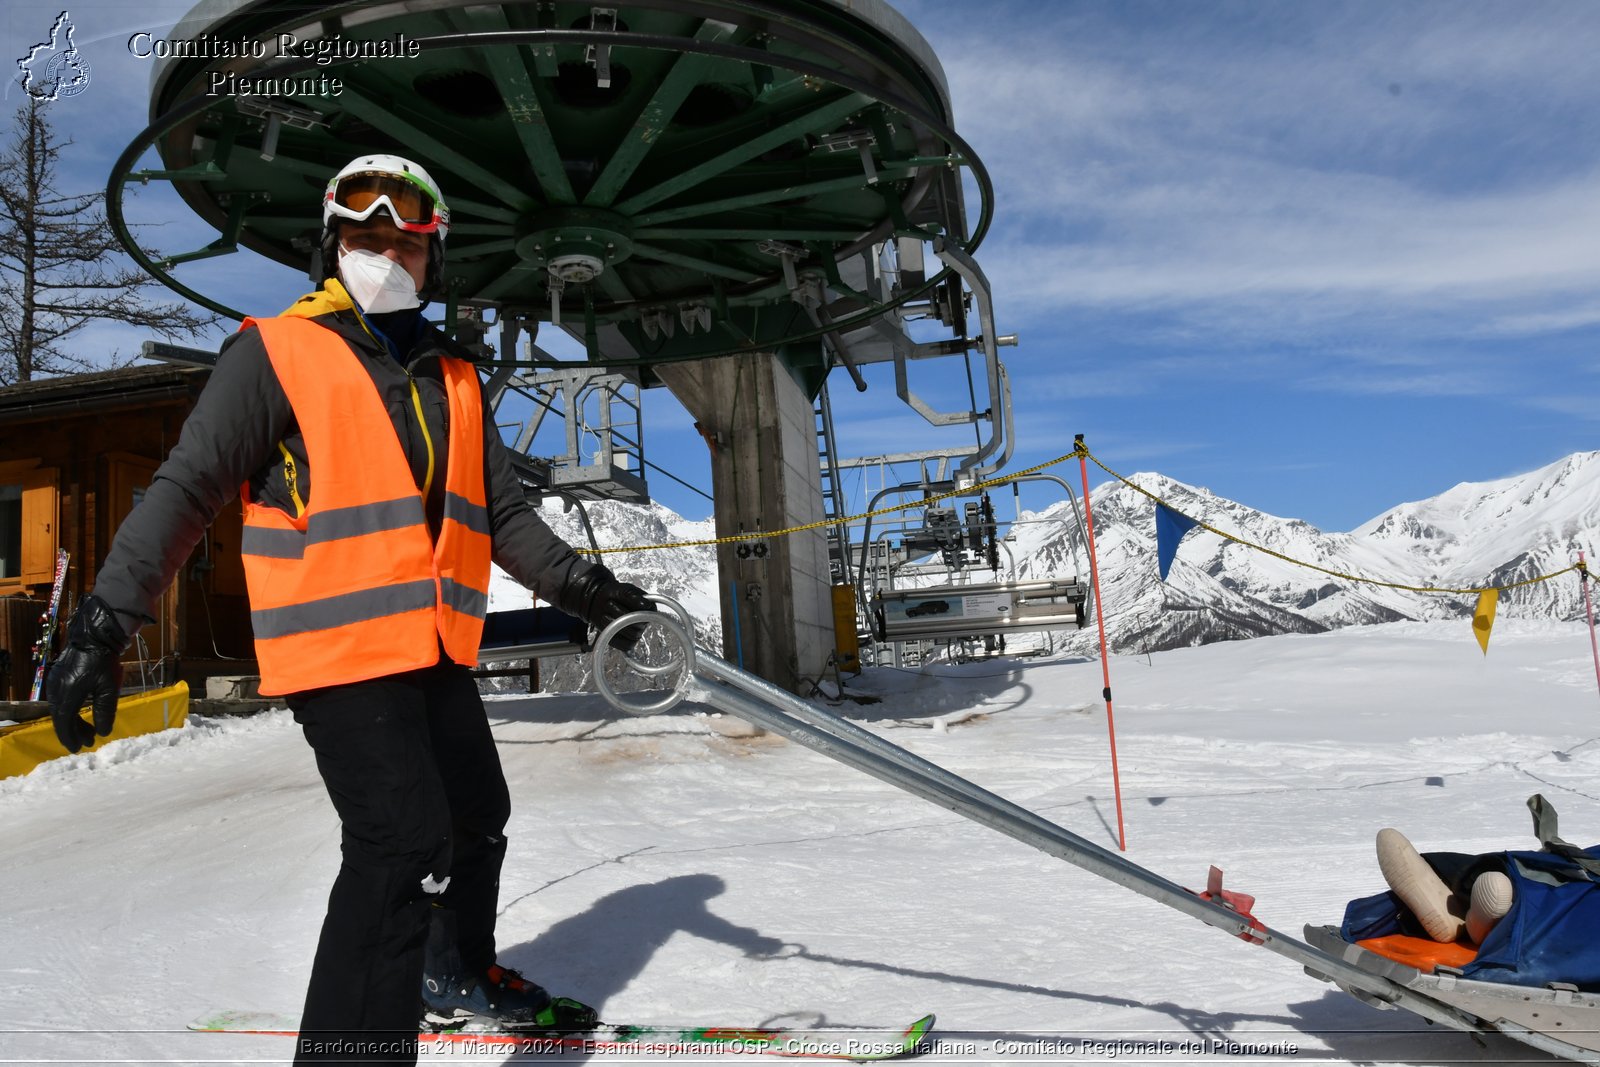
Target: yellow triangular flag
[(1483, 617)]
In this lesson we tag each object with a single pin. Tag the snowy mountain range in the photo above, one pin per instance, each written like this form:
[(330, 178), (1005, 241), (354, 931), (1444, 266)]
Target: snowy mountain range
[(1473, 535), (686, 574)]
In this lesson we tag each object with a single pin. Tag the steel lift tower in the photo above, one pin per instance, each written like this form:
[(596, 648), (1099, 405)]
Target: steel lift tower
[(727, 198)]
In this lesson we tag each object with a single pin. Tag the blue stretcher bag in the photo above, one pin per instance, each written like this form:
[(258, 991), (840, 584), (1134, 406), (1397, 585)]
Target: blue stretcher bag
[(1552, 932)]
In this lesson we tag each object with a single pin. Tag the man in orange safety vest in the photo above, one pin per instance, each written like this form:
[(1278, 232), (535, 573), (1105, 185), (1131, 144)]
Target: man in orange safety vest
[(376, 493)]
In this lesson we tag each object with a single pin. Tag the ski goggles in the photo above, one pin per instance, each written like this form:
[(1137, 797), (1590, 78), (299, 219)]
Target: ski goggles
[(411, 206)]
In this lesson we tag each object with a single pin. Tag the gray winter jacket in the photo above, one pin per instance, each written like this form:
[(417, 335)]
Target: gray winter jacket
[(233, 436)]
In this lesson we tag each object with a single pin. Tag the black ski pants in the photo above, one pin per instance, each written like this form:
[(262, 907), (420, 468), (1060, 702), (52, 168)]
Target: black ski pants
[(412, 771)]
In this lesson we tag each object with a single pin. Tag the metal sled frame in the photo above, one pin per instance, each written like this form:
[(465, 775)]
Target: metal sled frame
[(1558, 1019), (1443, 1000)]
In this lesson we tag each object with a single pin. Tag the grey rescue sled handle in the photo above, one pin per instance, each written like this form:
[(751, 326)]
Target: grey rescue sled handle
[(760, 703)]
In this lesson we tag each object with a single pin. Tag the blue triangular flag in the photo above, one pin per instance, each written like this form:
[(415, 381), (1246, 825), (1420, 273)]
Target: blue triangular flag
[(1170, 528)]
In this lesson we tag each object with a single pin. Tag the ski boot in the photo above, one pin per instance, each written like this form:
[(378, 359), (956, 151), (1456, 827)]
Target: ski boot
[(499, 999), (495, 998)]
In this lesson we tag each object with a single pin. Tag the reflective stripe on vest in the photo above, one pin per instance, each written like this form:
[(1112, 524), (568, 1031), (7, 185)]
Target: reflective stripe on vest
[(354, 588), (334, 525)]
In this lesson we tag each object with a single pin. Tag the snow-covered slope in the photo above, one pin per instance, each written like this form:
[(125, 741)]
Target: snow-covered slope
[(669, 870)]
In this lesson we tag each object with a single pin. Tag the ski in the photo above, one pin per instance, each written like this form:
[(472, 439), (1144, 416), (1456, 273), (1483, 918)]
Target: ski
[(41, 651), (860, 1046)]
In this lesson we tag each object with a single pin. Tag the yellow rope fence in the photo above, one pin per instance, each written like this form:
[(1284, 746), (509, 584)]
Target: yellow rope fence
[(1082, 452)]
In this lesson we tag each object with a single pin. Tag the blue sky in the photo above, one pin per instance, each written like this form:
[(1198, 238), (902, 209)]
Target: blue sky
[(1319, 258)]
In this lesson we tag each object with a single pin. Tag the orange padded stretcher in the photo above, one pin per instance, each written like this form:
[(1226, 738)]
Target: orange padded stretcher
[(1423, 953)]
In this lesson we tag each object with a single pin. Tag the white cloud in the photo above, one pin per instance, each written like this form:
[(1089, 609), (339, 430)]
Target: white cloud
[(1581, 406), (1313, 168), (1574, 317), (1259, 237)]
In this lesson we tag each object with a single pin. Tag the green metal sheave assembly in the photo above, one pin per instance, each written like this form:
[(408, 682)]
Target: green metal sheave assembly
[(666, 179)]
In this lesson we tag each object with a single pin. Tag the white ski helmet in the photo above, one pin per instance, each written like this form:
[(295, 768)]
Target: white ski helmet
[(400, 188)]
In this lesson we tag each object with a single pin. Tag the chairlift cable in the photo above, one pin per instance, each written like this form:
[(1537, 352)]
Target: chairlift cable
[(680, 481)]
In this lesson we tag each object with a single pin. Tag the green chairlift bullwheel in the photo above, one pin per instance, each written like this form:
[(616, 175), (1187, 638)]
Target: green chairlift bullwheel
[(611, 166)]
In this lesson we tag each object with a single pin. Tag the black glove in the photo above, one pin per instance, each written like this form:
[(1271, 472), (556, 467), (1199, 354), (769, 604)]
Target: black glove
[(599, 599), (87, 672)]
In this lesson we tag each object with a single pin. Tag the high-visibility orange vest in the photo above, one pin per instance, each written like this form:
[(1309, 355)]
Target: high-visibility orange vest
[(354, 587)]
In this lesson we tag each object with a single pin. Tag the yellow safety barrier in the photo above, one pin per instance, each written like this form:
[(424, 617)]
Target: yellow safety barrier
[(26, 745)]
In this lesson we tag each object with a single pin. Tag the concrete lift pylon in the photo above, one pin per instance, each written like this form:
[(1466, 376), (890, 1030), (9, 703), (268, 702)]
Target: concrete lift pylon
[(667, 181)]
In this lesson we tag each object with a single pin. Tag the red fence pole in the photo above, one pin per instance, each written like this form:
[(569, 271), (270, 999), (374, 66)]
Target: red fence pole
[(1105, 656), (1588, 608)]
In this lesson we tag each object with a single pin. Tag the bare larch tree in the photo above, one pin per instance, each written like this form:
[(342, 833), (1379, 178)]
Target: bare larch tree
[(61, 264)]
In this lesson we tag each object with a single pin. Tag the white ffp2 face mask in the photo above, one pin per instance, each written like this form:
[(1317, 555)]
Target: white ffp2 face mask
[(375, 282)]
